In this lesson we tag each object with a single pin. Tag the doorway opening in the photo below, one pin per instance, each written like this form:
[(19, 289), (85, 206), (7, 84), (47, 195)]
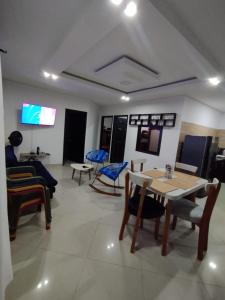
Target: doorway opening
[(113, 136), (74, 136)]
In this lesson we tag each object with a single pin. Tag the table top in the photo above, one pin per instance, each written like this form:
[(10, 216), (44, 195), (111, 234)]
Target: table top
[(171, 188), (82, 167)]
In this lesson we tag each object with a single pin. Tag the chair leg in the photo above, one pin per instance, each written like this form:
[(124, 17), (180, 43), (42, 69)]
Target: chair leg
[(206, 239), (39, 208), (134, 238), (157, 224), (166, 228), (193, 199), (201, 242), (174, 223), (162, 200), (124, 223)]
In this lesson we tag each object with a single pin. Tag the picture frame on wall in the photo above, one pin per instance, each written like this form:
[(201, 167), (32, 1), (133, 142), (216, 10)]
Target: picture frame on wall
[(149, 139)]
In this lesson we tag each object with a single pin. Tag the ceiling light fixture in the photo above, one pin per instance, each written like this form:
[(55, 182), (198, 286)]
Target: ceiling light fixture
[(214, 81), (54, 77), (46, 74), (131, 9), (125, 98), (116, 2)]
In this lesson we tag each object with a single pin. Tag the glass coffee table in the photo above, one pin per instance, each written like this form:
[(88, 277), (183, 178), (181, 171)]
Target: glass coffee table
[(82, 168)]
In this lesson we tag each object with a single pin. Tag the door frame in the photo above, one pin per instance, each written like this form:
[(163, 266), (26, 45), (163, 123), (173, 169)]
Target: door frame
[(113, 132), (85, 131), (111, 116)]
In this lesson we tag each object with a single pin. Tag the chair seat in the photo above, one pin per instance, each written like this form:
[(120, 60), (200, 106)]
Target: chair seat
[(151, 208), (113, 171), (187, 210)]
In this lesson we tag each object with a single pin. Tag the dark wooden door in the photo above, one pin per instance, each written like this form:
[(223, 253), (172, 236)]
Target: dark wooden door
[(118, 138), (74, 135)]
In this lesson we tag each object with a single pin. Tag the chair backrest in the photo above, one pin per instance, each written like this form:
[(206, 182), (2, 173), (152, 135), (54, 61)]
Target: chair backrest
[(20, 172), (140, 179), (213, 190), (98, 156), (139, 161), (188, 169), (133, 180)]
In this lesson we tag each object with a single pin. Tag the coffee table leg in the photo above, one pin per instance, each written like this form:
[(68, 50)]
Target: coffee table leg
[(73, 173), (80, 178), (166, 228), (90, 174)]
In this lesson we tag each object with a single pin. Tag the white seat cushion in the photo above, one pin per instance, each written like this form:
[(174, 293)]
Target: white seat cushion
[(187, 210)]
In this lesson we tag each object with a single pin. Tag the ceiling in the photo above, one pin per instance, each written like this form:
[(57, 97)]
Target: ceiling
[(169, 49)]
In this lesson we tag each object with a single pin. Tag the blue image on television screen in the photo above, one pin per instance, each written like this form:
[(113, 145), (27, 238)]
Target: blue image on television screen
[(31, 114)]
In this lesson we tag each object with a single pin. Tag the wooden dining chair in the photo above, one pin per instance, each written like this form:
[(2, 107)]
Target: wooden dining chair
[(187, 169), (139, 161), (198, 215), (139, 205)]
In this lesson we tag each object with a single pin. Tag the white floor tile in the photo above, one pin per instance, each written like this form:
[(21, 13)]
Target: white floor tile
[(105, 282)]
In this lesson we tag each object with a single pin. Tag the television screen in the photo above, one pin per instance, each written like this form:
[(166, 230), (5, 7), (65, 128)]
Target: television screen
[(38, 115)]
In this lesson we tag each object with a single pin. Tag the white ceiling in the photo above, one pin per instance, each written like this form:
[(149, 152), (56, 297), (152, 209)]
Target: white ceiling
[(178, 39)]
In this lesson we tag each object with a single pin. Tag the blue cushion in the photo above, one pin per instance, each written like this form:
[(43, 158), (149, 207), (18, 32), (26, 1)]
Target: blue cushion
[(97, 156), (113, 171)]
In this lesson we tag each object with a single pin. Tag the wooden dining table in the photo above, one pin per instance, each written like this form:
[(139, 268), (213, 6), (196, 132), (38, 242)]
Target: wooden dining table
[(179, 186)]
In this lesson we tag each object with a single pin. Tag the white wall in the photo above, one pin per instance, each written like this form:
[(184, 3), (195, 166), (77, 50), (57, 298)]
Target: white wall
[(201, 114), (49, 139), (170, 136), (5, 254)]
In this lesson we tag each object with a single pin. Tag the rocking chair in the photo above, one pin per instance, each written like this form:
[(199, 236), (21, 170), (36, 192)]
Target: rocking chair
[(112, 172)]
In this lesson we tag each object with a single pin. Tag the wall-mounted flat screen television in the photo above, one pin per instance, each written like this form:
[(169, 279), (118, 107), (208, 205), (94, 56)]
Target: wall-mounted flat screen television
[(37, 115)]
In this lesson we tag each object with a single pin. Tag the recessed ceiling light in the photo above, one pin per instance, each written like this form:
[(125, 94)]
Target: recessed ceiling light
[(125, 98), (131, 9), (116, 2), (54, 77), (46, 74), (214, 81)]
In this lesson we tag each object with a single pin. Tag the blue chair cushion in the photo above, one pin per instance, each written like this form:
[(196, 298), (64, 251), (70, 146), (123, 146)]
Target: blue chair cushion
[(97, 156), (113, 171)]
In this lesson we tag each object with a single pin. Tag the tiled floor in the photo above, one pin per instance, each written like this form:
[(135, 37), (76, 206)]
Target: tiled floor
[(81, 257)]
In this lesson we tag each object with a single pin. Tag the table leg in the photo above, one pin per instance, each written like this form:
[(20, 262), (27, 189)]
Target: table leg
[(166, 228), (80, 177), (90, 174), (73, 173)]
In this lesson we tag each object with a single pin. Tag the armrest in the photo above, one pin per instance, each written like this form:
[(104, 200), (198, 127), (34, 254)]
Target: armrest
[(23, 182), (21, 171)]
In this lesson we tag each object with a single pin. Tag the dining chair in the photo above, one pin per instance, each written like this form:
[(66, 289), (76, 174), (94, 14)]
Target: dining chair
[(138, 204), (184, 168), (190, 170), (139, 161), (190, 211)]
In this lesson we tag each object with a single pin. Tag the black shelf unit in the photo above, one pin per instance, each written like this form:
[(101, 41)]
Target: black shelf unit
[(165, 120)]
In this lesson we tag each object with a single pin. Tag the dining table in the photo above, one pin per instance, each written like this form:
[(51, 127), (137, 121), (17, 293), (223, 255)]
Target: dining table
[(172, 189)]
